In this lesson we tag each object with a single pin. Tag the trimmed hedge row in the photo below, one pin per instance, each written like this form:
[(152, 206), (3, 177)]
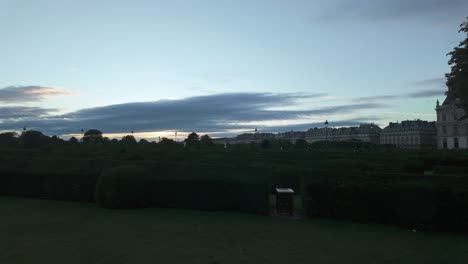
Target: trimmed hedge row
[(56, 186), (286, 177), (131, 187), (423, 202)]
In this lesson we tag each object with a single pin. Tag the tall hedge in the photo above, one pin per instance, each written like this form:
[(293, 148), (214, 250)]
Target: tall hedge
[(424, 202), (189, 186), (123, 187), (56, 186)]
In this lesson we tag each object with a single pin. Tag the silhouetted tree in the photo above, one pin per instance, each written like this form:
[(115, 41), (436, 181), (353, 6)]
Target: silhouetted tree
[(192, 140), (33, 138), (300, 144), (129, 140), (143, 142), (206, 140), (282, 143), (8, 139), (457, 79), (56, 140), (265, 144), (92, 135), (73, 141)]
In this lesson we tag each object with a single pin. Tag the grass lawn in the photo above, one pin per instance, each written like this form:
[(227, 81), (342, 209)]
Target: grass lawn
[(39, 231)]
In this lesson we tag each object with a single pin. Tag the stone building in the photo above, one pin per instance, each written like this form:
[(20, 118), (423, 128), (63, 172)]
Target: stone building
[(415, 134), (365, 132), (293, 136), (245, 138), (452, 125)]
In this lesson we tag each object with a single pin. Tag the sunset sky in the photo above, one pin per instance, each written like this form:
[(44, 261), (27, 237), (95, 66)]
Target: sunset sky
[(221, 67)]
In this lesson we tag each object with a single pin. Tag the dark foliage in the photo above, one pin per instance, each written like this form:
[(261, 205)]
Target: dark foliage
[(265, 144), (189, 186), (56, 186), (33, 139), (457, 79), (129, 140), (421, 202), (8, 139), (193, 140), (301, 144), (206, 140), (123, 187)]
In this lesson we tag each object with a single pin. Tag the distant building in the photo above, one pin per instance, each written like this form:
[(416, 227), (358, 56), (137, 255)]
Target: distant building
[(365, 132), (245, 138), (293, 136), (452, 125), (415, 134)]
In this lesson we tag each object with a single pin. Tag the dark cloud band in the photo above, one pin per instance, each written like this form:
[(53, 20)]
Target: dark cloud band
[(220, 112), (34, 93)]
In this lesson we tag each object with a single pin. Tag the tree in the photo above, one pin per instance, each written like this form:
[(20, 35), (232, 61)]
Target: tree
[(143, 142), (206, 140), (92, 135), (300, 144), (8, 139), (457, 79), (129, 140), (265, 144), (192, 140), (33, 138), (282, 143), (74, 141)]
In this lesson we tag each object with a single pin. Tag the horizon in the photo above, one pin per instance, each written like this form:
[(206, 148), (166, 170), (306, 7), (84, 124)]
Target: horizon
[(222, 68)]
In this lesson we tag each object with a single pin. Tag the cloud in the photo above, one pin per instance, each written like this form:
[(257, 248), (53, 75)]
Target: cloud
[(16, 94), (216, 113), (379, 10), (19, 112), (439, 82), (437, 85), (427, 93)]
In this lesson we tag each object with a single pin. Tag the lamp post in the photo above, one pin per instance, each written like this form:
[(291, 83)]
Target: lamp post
[(326, 130)]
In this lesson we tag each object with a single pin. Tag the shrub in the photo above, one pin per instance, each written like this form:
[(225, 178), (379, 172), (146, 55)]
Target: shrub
[(190, 186), (123, 187), (57, 186), (286, 177), (423, 202)]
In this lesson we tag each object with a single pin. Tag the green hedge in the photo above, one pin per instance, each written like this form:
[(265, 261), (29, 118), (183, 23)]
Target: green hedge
[(213, 195), (286, 177), (123, 187), (423, 202), (56, 186), (189, 186)]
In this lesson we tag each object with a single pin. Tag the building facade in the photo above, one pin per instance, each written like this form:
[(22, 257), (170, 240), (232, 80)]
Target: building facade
[(245, 138), (365, 132), (452, 125), (416, 134)]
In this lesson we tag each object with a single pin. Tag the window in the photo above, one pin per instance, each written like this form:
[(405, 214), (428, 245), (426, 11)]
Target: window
[(445, 143), (455, 129), (444, 117), (455, 143), (444, 129)]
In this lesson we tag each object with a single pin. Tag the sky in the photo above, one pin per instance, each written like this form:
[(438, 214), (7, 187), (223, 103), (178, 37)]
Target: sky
[(221, 67)]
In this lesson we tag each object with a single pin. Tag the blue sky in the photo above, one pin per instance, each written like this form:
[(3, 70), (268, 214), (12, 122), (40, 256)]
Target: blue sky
[(383, 60)]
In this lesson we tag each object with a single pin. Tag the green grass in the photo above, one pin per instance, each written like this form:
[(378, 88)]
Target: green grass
[(39, 231)]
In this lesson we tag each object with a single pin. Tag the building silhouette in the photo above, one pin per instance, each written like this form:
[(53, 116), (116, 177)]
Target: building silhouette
[(452, 125)]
